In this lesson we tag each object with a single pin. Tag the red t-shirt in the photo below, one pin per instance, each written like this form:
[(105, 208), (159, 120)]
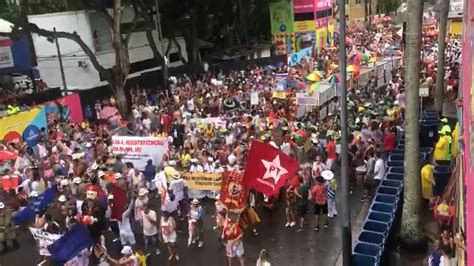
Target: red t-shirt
[(319, 194), (331, 149), (389, 142)]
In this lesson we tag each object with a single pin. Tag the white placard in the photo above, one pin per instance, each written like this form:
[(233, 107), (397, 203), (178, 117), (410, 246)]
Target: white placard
[(304, 99), (254, 98), (138, 150), (6, 57), (424, 92), (44, 239)]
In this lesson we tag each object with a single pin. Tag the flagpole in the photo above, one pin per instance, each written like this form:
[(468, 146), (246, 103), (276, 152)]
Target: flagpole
[(345, 217)]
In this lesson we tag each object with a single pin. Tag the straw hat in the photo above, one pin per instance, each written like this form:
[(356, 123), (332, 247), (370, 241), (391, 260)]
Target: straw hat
[(142, 192), (176, 175)]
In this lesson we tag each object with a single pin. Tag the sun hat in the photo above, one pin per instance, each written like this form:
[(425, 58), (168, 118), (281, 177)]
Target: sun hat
[(176, 175), (327, 175), (195, 201), (118, 175), (127, 250), (62, 198), (64, 183), (142, 192)]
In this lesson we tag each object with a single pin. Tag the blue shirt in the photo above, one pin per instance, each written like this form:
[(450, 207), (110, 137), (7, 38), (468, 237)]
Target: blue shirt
[(149, 172)]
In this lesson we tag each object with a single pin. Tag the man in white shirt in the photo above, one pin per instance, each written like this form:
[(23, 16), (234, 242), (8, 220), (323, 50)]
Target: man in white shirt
[(379, 169), (127, 238), (150, 230)]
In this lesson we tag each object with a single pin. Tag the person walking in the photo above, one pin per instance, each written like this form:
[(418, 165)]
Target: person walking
[(302, 202), (150, 231), (168, 234), (318, 194), (379, 169), (331, 192)]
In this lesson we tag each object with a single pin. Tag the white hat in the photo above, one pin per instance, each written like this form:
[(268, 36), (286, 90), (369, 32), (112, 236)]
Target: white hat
[(62, 198), (88, 145), (118, 175), (210, 159), (195, 201), (194, 160), (127, 250), (142, 192), (111, 196), (100, 173), (395, 103), (176, 175), (232, 159), (2, 205), (64, 183), (34, 193), (172, 163), (77, 180), (327, 175)]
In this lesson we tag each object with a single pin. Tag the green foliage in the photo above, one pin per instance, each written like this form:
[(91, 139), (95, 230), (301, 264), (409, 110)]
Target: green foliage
[(387, 6), (8, 11)]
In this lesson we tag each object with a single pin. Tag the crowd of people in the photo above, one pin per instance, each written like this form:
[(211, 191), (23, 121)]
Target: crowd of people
[(90, 182)]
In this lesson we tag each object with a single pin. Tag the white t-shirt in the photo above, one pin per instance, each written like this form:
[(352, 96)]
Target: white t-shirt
[(149, 223), (147, 123), (379, 169)]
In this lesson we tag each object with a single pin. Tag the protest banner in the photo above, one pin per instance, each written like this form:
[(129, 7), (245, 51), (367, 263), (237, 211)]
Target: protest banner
[(43, 239), (217, 121), (203, 181), (138, 150)]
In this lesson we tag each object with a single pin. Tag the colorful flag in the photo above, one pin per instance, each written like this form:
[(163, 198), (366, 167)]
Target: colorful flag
[(234, 193), (268, 168), (36, 205), (70, 244)]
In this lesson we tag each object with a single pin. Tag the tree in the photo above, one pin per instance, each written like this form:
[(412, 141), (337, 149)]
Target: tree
[(387, 6), (117, 76), (443, 21), (411, 228)]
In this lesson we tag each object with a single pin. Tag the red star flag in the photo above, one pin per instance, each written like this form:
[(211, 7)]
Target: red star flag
[(268, 168)]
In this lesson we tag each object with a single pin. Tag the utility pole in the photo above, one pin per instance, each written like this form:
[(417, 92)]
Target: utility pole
[(345, 217), (164, 65), (61, 67), (443, 6)]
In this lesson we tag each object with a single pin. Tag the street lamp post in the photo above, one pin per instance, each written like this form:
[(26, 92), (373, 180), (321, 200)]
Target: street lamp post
[(345, 217), (164, 66)]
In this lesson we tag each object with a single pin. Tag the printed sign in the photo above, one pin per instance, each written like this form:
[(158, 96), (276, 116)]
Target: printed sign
[(31, 135), (203, 181), (43, 239), (296, 58), (20, 121), (281, 17), (138, 150), (307, 100), (306, 25), (254, 98), (217, 121), (6, 57)]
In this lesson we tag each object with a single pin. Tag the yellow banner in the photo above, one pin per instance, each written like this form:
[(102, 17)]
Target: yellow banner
[(19, 121), (279, 95), (307, 25), (203, 181)]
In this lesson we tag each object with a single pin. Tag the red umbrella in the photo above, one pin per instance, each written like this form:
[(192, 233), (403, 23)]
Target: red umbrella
[(7, 155), (108, 112)]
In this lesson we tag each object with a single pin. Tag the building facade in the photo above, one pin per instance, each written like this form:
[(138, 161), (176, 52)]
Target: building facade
[(94, 31)]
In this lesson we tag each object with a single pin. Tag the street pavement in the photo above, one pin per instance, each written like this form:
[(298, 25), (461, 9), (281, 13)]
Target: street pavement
[(285, 245)]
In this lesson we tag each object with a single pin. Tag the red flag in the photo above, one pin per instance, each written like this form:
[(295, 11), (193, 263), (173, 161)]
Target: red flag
[(268, 168), (234, 193), (120, 199)]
